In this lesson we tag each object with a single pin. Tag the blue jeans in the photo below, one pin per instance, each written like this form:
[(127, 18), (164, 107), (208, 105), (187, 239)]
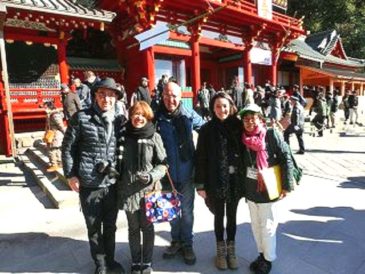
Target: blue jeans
[(182, 227)]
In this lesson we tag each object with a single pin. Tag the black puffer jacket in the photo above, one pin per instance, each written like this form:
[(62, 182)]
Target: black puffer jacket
[(84, 146)]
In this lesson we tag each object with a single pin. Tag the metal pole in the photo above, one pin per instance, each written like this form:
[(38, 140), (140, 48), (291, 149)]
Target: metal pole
[(6, 82)]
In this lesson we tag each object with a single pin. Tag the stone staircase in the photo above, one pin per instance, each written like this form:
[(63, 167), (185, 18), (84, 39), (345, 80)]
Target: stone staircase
[(54, 184)]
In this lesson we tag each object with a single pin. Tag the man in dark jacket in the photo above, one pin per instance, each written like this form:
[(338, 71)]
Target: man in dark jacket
[(88, 156), (83, 92), (175, 124), (296, 124), (70, 101), (237, 93), (353, 104), (142, 93)]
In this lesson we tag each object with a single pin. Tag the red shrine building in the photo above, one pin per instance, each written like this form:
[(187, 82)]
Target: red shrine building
[(49, 42)]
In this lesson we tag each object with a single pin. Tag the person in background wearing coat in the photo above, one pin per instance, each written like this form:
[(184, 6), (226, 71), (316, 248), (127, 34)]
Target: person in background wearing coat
[(142, 165), (218, 174), (296, 124), (142, 93), (203, 101), (319, 119), (264, 148), (84, 93), (70, 101), (88, 157), (54, 122), (275, 108), (175, 123), (334, 108)]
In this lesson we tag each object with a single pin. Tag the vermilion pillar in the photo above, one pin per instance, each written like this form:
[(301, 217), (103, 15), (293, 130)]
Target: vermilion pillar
[(150, 67), (247, 65), (274, 68), (196, 82), (62, 60)]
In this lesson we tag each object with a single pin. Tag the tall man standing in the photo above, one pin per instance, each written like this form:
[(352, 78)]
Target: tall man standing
[(175, 124), (296, 123), (88, 156)]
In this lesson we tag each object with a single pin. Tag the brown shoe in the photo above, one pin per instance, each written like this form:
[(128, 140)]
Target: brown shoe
[(231, 255), (53, 168), (172, 250), (220, 259)]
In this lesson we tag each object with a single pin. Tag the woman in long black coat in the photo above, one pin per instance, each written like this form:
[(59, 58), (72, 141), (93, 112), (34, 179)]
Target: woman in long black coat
[(219, 174)]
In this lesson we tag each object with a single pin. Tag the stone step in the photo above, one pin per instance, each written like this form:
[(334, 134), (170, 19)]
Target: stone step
[(56, 190), (26, 139)]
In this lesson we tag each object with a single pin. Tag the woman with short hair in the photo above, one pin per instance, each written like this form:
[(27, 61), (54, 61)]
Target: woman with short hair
[(141, 164)]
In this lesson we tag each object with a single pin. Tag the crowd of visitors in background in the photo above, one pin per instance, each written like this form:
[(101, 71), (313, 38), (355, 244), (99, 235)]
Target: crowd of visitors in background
[(114, 151)]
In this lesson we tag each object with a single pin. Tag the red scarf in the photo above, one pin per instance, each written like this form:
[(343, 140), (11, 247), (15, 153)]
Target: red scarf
[(255, 141)]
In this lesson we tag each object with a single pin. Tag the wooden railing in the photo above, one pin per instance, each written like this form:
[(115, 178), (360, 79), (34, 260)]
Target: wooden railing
[(28, 103), (249, 6)]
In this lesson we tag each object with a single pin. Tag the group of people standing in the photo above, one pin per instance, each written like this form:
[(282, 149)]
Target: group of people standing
[(112, 162)]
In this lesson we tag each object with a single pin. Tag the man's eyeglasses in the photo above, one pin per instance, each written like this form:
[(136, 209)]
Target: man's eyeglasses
[(106, 94)]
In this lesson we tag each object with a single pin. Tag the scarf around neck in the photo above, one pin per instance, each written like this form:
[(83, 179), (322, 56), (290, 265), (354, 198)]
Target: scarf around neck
[(145, 132), (255, 141)]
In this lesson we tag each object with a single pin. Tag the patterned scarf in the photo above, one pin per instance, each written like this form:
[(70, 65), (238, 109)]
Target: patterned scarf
[(255, 141)]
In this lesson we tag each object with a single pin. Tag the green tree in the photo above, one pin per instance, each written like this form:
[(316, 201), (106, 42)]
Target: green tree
[(345, 16)]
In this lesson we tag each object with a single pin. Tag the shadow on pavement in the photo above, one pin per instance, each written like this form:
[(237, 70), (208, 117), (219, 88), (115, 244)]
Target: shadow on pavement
[(354, 182), (333, 240), (39, 252)]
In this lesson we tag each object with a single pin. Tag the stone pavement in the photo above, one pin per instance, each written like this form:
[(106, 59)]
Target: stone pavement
[(321, 229)]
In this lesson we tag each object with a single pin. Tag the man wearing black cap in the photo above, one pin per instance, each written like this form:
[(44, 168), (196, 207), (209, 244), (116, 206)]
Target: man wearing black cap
[(296, 124), (88, 156), (142, 93)]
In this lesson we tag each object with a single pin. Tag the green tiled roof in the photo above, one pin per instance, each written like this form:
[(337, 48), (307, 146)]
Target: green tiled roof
[(302, 49), (305, 51), (175, 44), (93, 64)]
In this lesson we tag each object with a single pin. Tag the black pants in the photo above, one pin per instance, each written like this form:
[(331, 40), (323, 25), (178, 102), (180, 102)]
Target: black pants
[(299, 133), (230, 208), (318, 122), (99, 206), (137, 222), (347, 113)]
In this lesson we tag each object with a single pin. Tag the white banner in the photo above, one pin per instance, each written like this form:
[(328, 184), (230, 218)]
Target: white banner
[(264, 9), (261, 56)]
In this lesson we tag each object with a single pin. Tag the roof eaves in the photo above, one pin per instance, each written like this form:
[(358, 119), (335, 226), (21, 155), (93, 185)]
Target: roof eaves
[(103, 16)]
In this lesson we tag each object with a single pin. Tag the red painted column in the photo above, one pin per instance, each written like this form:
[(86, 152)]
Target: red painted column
[(150, 67), (4, 124), (62, 61), (196, 82), (247, 65), (274, 67)]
